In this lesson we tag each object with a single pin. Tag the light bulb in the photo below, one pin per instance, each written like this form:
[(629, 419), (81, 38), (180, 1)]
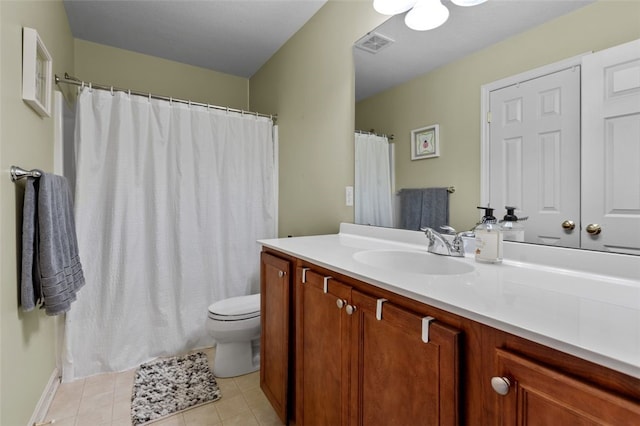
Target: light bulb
[(393, 7), (426, 15), (466, 3)]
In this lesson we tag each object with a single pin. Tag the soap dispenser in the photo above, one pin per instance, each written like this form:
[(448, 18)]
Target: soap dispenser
[(488, 238), (511, 226)]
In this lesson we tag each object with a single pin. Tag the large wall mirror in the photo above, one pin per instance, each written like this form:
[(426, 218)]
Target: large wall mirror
[(418, 79)]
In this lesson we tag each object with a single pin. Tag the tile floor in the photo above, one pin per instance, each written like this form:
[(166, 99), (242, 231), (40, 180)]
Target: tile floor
[(105, 400)]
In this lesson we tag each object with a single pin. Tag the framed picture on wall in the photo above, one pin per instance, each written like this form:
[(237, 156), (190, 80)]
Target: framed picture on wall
[(425, 142), (36, 73)]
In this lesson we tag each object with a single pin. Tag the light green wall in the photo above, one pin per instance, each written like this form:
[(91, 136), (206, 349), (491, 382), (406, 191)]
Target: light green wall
[(130, 70), (309, 84), (27, 340), (450, 97)]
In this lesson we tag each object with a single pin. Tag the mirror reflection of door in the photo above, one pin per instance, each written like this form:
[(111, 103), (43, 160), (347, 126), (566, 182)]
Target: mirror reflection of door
[(611, 149), (535, 155)]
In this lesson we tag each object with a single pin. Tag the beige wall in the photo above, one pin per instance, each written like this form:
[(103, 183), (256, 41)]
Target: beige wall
[(27, 340), (450, 96), (309, 84), (130, 70)]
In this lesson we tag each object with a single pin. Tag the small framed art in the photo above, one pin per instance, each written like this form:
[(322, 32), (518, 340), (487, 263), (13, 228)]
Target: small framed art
[(425, 142), (36, 73)]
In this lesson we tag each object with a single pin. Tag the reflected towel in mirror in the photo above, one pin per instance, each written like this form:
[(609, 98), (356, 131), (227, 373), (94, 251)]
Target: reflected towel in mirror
[(423, 207)]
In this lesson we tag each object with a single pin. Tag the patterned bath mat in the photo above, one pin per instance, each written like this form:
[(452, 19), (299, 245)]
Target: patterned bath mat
[(166, 386)]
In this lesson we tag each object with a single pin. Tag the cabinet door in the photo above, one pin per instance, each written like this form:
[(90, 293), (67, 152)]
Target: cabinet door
[(397, 378), (275, 290), (538, 395), (322, 350)]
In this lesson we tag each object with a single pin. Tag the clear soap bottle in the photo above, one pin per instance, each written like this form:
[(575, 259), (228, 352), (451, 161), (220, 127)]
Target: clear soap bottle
[(511, 226), (488, 238)]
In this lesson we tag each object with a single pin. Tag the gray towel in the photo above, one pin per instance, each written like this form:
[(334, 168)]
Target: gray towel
[(30, 280), (424, 207), (51, 268), (410, 209)]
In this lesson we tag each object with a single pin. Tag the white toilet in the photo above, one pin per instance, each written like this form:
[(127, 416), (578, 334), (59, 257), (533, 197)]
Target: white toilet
[(234, 323)]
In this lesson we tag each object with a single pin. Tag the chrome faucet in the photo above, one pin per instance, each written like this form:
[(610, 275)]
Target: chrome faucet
[(440, 245)]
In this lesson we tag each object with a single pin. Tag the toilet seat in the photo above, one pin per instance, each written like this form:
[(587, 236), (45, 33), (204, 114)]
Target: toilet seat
[(236, 308)]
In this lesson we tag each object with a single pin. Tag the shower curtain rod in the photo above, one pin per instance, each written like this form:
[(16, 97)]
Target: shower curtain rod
[(365, 132), (68, 79)]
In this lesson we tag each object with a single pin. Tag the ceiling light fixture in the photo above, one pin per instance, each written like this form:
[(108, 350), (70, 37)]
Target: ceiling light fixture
[(393, 7), (466, 3), (424, 14)]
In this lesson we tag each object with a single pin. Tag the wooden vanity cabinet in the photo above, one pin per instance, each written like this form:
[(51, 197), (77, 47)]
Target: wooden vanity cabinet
[(348, 367), (275, 345)]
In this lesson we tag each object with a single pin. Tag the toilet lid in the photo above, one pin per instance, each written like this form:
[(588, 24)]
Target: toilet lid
[(236, 308)]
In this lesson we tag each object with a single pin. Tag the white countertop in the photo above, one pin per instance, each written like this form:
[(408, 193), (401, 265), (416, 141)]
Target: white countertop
[(591, 310)]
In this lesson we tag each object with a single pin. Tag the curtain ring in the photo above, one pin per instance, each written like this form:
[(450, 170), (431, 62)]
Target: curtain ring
[(189, 104), (257, 116), (149, 96), (170, 101), (227, 110), (90, 88), (111, 90), (129, 92)]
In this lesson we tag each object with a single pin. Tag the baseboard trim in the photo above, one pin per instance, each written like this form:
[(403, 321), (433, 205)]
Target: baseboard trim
[(39, 414)]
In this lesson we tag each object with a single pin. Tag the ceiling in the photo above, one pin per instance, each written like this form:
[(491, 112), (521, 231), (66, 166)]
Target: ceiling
[(468, 30), (232, 36), (238, 36)]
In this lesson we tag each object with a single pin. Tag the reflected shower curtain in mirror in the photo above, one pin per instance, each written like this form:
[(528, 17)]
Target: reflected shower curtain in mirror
[(170, 200), (373, 197)]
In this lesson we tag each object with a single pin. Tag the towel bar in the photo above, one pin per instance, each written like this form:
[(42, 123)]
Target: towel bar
[(450, 190), (18, 173)]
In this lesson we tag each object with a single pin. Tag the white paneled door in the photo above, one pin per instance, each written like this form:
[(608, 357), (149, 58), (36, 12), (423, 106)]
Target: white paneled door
[(534, 155), (611, 149)]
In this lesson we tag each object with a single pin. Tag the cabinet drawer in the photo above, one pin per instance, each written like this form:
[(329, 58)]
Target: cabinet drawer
[(538, 395)]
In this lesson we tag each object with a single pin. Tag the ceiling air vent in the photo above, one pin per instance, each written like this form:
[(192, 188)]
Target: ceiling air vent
[(374, 42)]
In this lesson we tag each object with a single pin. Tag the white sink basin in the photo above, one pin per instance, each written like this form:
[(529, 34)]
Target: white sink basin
[(413, 261)]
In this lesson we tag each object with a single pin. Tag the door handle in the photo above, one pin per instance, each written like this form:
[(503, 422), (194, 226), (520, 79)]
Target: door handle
[(593, 229)]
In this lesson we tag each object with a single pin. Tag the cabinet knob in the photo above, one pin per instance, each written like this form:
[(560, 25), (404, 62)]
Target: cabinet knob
[(593, 229), (568, 225), (341, 303), (501, 385), (281, 274), (350, 309)]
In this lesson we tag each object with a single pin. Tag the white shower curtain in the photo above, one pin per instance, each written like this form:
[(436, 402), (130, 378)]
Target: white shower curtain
[(373, 198), (170, 200)]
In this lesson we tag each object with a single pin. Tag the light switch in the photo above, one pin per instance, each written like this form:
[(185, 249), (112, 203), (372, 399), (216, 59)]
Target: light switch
[(349, 195)]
